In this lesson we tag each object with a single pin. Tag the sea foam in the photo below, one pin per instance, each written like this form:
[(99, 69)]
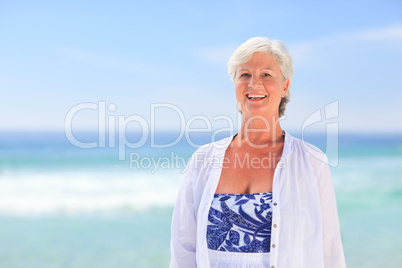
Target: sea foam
[(76, 192)]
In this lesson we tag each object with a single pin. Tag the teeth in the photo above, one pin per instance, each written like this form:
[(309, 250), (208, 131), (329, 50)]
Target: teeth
[(255, 96)]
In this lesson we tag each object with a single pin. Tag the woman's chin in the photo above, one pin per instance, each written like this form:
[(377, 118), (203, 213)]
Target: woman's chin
[(250, 112)]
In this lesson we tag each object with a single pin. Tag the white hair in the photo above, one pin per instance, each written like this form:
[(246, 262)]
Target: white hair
[(274, 47)]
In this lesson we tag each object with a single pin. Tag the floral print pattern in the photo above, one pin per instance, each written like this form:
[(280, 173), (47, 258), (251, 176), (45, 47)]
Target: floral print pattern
[(240, 223)]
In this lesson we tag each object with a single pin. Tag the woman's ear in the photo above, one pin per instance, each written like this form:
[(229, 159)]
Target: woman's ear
[(285, 88)]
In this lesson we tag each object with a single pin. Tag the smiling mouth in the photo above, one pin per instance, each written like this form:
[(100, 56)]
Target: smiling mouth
[(256, 96)]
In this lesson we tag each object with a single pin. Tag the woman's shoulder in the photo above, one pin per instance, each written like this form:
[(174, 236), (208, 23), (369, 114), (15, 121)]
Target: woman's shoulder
[(301, 147), (214, 146), (300, 144), (207, 157)]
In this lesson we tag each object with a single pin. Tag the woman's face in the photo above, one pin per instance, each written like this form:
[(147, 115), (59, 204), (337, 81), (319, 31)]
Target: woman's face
[(259, 86)]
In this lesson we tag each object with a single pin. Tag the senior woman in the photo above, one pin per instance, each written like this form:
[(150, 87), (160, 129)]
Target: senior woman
[(260, 198)]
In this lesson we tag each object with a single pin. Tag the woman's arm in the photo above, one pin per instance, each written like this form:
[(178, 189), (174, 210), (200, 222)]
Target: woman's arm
[(333, 250), (184, 225)]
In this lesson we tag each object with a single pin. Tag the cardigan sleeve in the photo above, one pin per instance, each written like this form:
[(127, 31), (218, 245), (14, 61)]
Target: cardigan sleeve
[(333, 250), (184, 227)]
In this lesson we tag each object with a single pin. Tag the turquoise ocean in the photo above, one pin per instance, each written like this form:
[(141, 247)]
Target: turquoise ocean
[(64, 206)]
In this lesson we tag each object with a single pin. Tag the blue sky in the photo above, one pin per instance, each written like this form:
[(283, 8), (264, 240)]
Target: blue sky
[(57, 54)]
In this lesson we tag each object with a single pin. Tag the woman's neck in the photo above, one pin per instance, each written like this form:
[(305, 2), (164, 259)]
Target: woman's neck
[(259, 131)]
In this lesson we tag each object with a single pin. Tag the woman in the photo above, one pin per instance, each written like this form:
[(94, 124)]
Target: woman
[(260, 198)]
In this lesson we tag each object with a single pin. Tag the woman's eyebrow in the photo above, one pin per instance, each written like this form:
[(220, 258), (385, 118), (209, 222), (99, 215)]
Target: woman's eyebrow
[(265, 68), (243, 69)]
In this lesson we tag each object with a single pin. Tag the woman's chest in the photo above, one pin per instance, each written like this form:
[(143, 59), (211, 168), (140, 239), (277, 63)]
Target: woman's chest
[(248, 172)]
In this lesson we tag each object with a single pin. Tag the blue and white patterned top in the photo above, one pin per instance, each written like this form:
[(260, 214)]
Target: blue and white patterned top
[(240, 223)]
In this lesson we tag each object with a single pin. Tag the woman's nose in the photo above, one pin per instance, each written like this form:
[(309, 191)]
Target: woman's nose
[(254, 82)]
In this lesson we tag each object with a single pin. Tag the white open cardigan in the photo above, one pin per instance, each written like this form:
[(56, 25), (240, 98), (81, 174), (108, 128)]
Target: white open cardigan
[(307, 233)]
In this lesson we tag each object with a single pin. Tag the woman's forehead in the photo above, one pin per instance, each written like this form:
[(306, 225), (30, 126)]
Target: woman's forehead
[(260, 60)]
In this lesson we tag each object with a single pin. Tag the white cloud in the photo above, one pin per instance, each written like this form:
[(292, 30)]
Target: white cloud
[(216, 55), (304, 53), (384, 34), (103, 60), (82, 56)]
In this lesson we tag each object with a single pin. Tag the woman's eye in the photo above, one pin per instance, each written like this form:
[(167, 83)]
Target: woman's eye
[(266, 74), (244, 75)]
